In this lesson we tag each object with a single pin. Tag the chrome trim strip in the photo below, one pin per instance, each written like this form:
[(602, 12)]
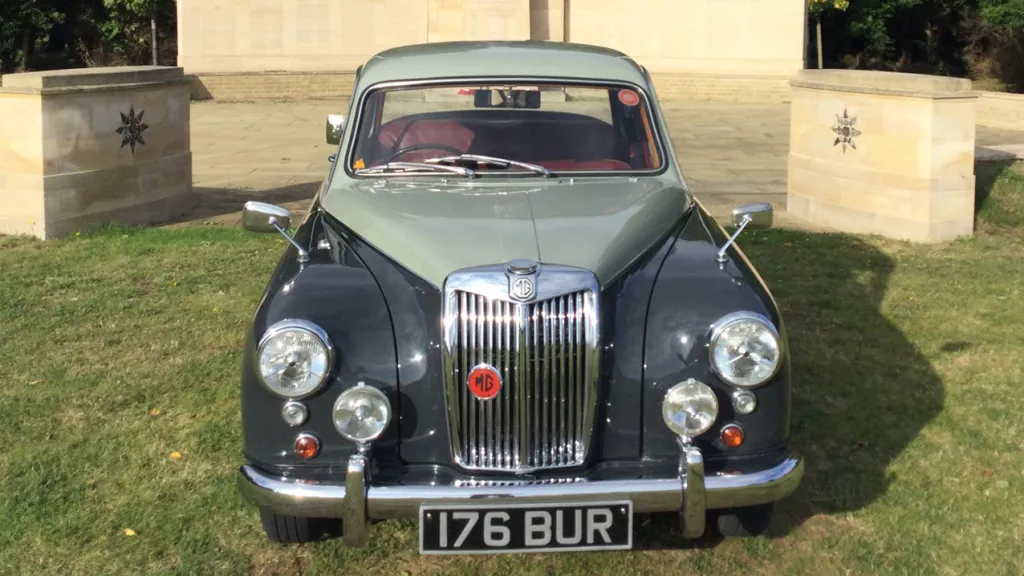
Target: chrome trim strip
[(548, 358), (295, 497)]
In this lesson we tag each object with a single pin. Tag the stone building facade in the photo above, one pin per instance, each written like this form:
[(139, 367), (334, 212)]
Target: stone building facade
[(741, 50)]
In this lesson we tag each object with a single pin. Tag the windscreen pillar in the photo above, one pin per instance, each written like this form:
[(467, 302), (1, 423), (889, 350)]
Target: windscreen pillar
[(85, 147), (883, 153)]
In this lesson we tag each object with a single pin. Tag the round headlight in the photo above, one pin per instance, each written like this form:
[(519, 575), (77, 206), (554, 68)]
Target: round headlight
[(744, 349), (690, 408), (294, 358), (362, 413)]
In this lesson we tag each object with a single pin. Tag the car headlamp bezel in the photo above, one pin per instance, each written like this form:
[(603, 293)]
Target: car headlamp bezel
[(731, 319), (292, 324), (374, 393), (698, 388)]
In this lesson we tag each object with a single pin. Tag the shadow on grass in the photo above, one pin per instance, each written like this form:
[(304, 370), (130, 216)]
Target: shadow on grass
[(999, 192), (862, 391)]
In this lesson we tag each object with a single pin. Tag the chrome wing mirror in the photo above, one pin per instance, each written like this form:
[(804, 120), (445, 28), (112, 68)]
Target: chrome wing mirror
[(262, 217), (754, 216), (335, 126)]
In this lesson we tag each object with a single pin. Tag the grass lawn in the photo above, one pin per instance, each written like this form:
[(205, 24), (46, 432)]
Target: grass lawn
[(120, 431)]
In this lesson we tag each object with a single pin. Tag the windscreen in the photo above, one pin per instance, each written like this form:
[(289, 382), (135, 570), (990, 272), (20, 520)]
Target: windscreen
[(562, 128)]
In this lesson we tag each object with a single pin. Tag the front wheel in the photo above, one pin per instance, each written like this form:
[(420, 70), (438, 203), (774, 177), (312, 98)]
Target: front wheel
[(295, 529), (743, 522)]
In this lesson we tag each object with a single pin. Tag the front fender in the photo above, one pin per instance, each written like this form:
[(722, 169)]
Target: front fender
[(691, 292), (336, 291)]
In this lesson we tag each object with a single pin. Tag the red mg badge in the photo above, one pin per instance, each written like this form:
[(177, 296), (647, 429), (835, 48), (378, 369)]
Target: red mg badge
[(484, 382)]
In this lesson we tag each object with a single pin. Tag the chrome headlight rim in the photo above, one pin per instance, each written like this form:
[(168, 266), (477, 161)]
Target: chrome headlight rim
[(731, 319), (295, 324), (372, 391), (700, 388)]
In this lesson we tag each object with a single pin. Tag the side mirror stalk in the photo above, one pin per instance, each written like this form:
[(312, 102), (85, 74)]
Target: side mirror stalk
[(756, 216), (303, 253), (747, 219)]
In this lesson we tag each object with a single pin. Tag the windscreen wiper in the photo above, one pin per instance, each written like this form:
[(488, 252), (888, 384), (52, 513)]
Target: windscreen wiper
[(489, 160), (414, 167)]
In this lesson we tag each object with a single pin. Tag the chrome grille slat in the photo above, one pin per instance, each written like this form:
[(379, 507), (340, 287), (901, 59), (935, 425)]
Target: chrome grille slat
[(562, 344), (547, 353)]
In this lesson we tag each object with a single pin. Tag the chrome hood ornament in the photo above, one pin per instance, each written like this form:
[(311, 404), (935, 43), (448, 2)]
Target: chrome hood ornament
[(521, 284)]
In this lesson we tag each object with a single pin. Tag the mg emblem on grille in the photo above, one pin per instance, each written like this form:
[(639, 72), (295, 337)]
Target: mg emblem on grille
[(484, 382), (522, 288)]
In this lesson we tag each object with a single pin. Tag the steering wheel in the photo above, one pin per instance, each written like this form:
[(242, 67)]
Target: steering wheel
[(423, 146)]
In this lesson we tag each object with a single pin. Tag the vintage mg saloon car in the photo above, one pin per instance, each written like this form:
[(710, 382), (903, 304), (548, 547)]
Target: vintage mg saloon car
[(506, 316)]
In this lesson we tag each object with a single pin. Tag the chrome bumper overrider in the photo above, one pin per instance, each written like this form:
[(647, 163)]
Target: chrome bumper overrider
[(691, 494)]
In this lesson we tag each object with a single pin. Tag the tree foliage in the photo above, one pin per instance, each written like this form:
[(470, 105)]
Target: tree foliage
[(974, 38), (1006, 16), (127, 28), (44, 34)]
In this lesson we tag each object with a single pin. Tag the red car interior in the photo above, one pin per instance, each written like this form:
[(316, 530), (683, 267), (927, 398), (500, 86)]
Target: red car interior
[(557, 141), (413, 131)]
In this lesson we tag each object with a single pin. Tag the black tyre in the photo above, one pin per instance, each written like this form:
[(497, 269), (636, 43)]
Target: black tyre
[(296, 530), (743, 522)]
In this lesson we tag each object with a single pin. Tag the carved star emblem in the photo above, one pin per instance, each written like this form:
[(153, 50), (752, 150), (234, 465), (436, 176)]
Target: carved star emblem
[(845, 131), (131, 129)]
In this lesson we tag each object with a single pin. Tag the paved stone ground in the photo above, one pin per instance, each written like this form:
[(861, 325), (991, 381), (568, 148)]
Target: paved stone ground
[(275, 152)]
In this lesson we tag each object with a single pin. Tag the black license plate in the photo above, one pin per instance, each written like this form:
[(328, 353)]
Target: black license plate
[(482, 529)]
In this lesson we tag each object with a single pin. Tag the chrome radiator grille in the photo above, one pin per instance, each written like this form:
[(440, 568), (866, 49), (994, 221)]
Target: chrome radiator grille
[(546, 353)]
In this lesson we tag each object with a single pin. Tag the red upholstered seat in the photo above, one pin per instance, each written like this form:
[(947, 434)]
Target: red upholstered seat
[(570, 165), (426, 132)]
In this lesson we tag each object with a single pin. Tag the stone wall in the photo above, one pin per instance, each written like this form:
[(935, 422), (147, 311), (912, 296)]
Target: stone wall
[(84, 147), (228, 87), (1001, 110), (883, 153), (706, 49), (683, 86)]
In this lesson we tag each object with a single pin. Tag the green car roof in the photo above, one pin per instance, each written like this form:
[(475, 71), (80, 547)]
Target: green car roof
[(501, 59)]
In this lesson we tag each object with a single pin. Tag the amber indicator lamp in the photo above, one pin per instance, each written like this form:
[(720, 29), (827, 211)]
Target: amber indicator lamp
[(307, 446), (732, 435)]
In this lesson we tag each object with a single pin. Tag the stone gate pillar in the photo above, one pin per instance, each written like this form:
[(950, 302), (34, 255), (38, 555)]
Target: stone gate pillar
[(883, 153), (84, 147)]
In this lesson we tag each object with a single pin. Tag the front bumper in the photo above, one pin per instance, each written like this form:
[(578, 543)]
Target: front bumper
[(357, 500)]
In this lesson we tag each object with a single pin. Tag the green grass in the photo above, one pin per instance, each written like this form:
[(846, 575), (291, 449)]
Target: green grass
[(121, 348)]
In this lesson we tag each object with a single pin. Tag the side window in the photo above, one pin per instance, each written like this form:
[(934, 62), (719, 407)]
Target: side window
[(366, 146)]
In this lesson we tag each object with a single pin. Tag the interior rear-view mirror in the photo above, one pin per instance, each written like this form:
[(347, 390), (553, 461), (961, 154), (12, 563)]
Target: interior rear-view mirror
[(485, 98)]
